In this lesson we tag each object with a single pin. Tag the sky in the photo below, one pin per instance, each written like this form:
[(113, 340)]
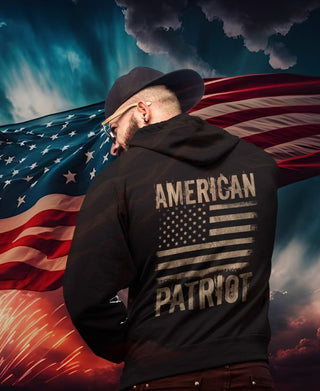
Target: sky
[(63, 54)]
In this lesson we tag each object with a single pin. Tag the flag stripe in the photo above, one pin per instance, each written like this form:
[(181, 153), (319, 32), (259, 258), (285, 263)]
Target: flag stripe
[(256, 92), (50, 247), (233, 205), (58, 202), (295, 149), (23, 276), (202, 272), (204, 246), (283, 135), (33, 257), (58, 233), (261, 125), (203, 259), (47, 218), (232, 230), (233, 112), (232, 217)]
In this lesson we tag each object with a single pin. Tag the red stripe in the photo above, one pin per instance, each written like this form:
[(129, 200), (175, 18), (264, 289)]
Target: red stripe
[(307, 88), (236, 117), (274, 137), (46, 218), (50, 247), (257, 81), (299, 167), (19, 275)]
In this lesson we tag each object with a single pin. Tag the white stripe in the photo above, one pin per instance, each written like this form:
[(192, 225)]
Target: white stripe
[(232, 217), (203, 258), (34, 258), (270, 101), (232, 230), (295, 148), (203, 272), (55, 233), (204, 246), (51, 201), (208, 82), (233, 205), (264, 124)]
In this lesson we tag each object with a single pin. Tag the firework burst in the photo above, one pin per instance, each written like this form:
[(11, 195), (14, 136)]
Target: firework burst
[(29, 340)]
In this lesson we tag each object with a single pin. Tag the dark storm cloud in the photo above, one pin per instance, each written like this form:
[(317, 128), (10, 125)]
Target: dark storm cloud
[(155, 25), (297, 368)]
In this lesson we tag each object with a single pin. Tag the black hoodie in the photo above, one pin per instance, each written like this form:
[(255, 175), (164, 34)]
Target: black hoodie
[(186, 219)]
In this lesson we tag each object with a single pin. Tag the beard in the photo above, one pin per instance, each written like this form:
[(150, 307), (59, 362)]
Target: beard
[(131, 130)]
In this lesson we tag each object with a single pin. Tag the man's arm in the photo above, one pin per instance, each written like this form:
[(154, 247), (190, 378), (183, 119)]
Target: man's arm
[(99, 265)]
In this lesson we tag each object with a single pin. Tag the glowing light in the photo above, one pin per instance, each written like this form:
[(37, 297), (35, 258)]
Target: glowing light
[(28, 336)]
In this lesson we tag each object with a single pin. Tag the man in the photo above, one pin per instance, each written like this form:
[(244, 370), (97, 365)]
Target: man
[(184, 218)]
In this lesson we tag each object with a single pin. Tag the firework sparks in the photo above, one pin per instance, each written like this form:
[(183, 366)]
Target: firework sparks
[(26, 339)]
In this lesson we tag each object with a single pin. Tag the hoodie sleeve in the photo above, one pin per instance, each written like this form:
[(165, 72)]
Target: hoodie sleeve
[(99, 265)]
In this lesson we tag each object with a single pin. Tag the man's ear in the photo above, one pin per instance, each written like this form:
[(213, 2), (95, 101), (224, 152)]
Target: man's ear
[(143, 108)]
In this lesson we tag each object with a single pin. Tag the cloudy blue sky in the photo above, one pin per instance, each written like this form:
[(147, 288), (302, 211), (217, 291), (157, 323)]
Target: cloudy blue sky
[(61, 54)]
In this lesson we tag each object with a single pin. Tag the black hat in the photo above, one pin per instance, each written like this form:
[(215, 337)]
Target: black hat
[(185, 83)]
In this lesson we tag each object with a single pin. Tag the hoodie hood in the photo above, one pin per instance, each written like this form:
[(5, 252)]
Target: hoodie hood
[(186, 138)]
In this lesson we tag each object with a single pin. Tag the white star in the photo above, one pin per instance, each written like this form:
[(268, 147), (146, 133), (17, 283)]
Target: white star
[(6, 183), (70, 177), (9, 142), (33, 165), (93, 173), (9, 160), (46, 150), (22, 143), (65, 125), (93, 115), (105, 157), (58, 160), (89, 156), (15, 172), (1, 175), (33, 146), (54, 137), (46, 169), (65, 147), (71, 134), (40, 135), (91, 134), (22, 160), (70, 116), (28, 178), (21, 200), (49, 124), (30, 132)]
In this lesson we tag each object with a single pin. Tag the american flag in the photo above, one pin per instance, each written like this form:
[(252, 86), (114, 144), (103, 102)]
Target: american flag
[(184, 250), (47, 164), (279, 113)]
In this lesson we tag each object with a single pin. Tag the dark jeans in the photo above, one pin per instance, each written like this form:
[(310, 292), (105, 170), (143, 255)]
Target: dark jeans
[(237, 377)]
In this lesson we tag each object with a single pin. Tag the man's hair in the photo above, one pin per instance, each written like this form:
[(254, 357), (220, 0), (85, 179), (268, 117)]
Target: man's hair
[(161, 94)]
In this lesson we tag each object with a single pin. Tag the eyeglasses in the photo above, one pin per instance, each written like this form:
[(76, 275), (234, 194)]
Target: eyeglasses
[(117, 113)]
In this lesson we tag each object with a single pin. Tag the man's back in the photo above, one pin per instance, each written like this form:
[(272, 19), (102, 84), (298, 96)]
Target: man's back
[(191, 233)]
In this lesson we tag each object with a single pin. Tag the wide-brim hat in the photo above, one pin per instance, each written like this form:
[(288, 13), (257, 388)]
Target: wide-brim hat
[(187, 84)]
